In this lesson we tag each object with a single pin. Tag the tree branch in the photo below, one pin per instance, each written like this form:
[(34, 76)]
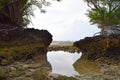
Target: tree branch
[(115, 8)]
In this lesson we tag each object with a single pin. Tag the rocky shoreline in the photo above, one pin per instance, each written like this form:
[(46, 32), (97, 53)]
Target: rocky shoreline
[(23, 57), (93, 70), (105, 49), (36, 69), (23, 54), (99, 53), (70, 49), (20, 44)]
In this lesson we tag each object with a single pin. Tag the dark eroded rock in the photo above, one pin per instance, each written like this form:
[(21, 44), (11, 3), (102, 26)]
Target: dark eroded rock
[(100, 48)]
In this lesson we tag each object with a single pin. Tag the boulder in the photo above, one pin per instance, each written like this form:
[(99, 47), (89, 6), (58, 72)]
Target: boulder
[(100, 48), (25, 36)]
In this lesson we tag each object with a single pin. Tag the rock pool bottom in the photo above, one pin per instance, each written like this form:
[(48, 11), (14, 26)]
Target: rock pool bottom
[(89, 70), (32, 69), (72, 64), (39, 68)]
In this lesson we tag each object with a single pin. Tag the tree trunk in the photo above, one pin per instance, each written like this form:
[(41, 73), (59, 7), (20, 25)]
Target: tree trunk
[(15, 12)]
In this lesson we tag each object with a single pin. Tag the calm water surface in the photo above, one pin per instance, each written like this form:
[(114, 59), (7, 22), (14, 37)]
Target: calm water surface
[(62, 62)]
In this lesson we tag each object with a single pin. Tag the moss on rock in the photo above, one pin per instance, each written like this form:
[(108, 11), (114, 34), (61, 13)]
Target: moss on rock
[(65, 78), (3, 73), (20, 44), (40, 75), (100, 47)]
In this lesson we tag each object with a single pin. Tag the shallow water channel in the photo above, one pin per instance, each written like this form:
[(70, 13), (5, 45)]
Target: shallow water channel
[(62, 62)]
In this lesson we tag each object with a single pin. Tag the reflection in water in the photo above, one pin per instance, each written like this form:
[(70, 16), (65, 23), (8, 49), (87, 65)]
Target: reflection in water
[(62, 62)]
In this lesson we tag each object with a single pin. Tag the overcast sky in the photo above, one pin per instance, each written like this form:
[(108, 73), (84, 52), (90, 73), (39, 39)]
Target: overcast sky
[(65, 20)]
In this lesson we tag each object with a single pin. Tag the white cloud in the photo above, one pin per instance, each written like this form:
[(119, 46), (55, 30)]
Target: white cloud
[(66, 20)]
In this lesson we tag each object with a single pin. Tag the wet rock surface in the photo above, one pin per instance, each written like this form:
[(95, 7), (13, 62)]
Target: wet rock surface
[(27, 70), (23, 53), (19, 44), (101, 48), (91, 70)]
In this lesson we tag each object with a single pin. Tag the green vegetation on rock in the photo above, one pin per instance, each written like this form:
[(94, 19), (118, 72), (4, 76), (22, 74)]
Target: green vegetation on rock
[(65, 78), (3, 73), (23, 45), (22, 78), (100, 48), (40, 75), (10, 54)]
